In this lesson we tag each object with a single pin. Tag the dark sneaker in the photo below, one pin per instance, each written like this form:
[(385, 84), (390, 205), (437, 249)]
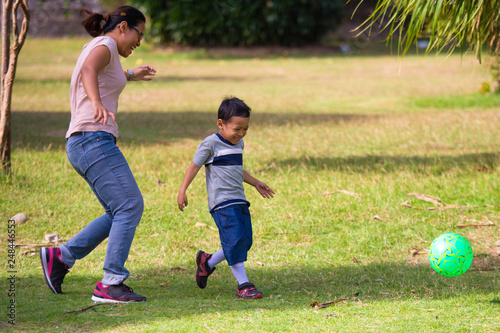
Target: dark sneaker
[(247, 290), (54, 269), (116, 294), (203, 271)]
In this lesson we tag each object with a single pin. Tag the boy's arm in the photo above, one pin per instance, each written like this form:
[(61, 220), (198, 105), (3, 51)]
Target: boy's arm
[(261, 187), (191, 172)]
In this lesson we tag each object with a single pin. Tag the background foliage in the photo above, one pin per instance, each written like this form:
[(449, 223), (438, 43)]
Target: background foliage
[(447, 24), (241, 22)]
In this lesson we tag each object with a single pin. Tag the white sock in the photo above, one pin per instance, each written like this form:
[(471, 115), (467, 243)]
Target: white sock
[(217, 257), (239, 272)]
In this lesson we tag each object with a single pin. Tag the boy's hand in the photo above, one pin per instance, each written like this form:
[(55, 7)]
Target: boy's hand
[(264, 190), (182, 201)]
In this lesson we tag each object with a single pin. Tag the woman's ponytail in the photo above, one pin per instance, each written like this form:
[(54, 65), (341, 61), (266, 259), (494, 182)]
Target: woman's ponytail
[(96, 24)]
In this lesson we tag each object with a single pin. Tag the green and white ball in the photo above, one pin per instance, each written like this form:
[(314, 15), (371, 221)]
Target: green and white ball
[(450, 254)]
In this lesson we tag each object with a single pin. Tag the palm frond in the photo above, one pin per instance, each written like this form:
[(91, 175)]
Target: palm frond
[(448, 24)]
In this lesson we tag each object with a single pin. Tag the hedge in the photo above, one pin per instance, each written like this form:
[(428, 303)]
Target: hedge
[(241, 22)]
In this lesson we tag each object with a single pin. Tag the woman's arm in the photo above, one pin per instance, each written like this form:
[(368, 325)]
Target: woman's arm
[(97, 59)]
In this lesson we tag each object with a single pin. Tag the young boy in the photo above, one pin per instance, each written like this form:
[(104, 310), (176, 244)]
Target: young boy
[(222, 155)]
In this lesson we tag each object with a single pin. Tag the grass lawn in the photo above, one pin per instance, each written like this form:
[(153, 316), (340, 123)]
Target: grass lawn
[(342, 139)]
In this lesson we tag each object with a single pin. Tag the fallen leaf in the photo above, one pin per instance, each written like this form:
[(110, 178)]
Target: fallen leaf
[(166, 284), (416, 252), (260, 263), (52, 238), (175, 269), (376, 217), (160, 183), (199, 224)]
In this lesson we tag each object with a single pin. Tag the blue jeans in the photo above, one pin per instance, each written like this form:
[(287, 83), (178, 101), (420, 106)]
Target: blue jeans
[(235, 232), (95, 156)]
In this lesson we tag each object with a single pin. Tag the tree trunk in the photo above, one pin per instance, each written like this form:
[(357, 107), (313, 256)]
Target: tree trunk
[(8, 72), (4, 104), (497, 65)]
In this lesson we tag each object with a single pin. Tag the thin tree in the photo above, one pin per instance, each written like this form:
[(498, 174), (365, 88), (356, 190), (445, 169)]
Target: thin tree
[(13, 37), (448, 24)]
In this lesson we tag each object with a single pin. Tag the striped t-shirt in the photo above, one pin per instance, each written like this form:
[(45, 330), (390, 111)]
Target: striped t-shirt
[(223, 163)]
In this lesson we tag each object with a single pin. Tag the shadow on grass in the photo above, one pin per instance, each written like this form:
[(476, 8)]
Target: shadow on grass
[(480, 162), (339, 49), (39, 130), (288, 288), (43, 130)]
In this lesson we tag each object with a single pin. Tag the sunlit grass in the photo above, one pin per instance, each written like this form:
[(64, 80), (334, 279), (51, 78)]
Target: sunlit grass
[(375, 126)]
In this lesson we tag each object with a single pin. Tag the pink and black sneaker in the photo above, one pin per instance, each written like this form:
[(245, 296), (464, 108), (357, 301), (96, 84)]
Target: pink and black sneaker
[(54, 270), (203, 271), (116, 294), (247, 290)]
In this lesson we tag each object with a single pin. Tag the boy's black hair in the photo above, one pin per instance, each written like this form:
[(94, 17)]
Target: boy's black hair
[(233, 107)]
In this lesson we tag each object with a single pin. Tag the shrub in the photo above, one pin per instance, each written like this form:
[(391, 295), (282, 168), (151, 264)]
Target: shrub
[(241, 22)]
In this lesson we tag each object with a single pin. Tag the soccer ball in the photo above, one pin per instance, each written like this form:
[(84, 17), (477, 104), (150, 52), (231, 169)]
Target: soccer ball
[(450, 254)]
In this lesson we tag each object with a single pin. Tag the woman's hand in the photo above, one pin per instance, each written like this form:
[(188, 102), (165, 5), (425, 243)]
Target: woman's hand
[(101, 113), (143, 73)]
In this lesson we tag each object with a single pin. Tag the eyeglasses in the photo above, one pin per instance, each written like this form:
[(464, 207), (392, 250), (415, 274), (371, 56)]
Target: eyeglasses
[(141, 34)]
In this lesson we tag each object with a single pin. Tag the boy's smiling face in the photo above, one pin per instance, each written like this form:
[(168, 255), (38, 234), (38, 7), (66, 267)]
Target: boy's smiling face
[(233, 130)]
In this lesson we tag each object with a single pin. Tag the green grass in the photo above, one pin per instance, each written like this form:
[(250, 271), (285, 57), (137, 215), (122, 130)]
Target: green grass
[(373, 125)]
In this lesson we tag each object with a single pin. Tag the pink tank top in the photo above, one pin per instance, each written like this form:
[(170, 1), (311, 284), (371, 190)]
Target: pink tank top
[(112, 80)]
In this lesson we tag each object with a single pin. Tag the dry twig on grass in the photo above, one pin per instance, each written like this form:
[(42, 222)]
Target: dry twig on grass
[(271, 166), (83, 310), (30, 252), (439, 204), (318, 305), (209, 329), (488, 223), (448, 207), (428, 198), (29, 246), (352, 194)]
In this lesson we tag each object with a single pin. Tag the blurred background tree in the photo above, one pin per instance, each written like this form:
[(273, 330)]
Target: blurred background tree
[(241, 22), (110, 5)]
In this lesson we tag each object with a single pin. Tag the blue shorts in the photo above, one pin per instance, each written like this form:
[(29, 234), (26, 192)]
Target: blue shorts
[(235, 231)]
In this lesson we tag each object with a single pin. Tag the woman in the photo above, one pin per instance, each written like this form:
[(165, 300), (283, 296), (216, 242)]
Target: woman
[(96, 83)]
